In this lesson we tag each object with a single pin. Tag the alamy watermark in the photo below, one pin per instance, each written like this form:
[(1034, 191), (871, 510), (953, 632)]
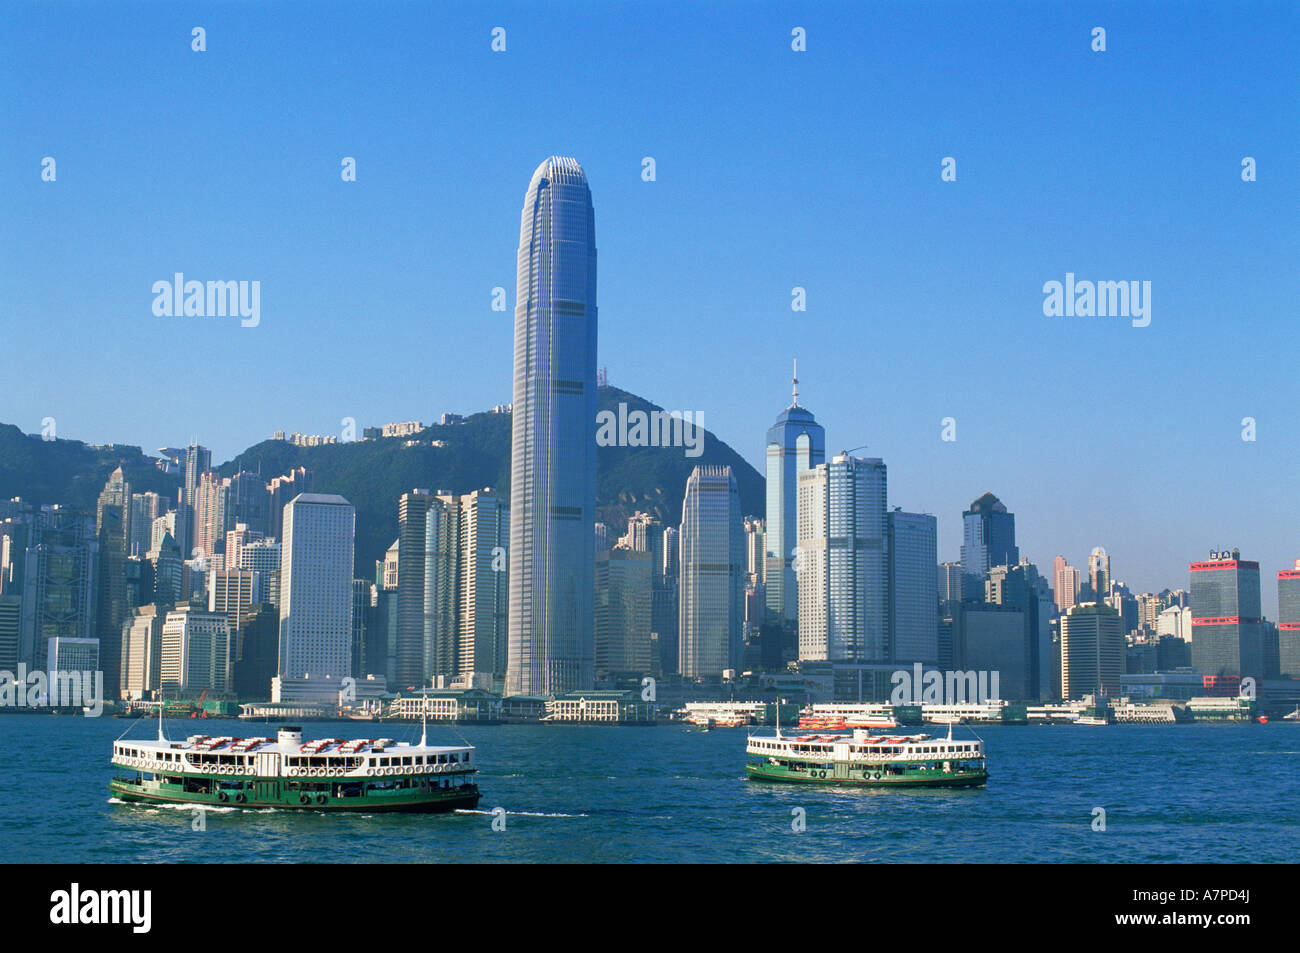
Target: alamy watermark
[(933, 687), (213, 299), (1102, 299), (58, 689), (658, 428)]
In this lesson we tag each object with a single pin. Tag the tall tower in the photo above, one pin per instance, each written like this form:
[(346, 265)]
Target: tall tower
[(316, 586), (711, 575), (843, 567), (553, 447), (796, 442), (988, 540), (113, 527)]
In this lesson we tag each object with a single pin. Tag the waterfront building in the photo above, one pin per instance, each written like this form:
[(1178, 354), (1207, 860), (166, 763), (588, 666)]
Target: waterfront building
[(1226, 618), (316, 587), (1092, 651), (1288, 621), (195, 651), (553, 450)]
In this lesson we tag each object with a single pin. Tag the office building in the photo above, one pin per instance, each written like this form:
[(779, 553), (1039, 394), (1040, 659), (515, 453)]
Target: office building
[(553, 450)]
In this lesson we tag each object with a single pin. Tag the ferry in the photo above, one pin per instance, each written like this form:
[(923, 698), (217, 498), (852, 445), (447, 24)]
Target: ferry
[(326, 774), (1090, 720), (866, 759)]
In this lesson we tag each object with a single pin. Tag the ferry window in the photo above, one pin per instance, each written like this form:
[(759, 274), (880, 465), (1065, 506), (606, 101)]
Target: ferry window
[(406, 760)]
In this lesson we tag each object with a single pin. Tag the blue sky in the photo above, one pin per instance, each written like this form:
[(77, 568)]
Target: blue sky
[(775, 169)]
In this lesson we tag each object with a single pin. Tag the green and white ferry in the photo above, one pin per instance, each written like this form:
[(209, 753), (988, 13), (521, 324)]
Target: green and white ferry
[(327, 774), (866, 759)]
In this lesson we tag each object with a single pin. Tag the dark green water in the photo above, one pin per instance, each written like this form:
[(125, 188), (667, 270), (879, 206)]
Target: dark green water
[(1181, 793)]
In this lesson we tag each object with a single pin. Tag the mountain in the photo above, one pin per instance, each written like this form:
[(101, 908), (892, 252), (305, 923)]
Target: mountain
[(71, 472), (373, 474)]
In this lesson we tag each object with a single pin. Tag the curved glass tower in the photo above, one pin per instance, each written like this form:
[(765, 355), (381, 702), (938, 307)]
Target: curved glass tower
[(553, 447), (795, 443)]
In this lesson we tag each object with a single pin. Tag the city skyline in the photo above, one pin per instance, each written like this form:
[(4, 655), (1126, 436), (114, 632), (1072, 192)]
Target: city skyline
[(1143, 489)]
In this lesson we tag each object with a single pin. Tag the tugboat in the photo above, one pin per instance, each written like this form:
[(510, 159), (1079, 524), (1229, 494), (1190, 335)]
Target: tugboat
[(326, 774), (866, 759)]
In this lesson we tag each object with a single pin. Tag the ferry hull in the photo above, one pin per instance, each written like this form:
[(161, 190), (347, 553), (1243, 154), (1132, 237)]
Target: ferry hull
[(859, 776), (278, 795)]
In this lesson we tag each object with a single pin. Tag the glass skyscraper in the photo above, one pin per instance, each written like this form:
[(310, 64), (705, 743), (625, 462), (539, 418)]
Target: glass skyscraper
[(913, 585), (553, 448), (1227, 630), (795, 443), (988, 540), (843, 564), (711, 574)]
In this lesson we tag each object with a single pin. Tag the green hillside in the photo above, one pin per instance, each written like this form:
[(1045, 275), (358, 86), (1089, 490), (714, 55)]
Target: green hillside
[(373, 474)]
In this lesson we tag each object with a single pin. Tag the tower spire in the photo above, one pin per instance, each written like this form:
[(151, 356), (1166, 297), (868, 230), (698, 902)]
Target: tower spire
[(794, 382)]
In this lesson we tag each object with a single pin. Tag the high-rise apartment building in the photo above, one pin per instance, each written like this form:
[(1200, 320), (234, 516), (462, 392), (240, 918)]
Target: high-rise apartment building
[(1065, 583), (484, 584)]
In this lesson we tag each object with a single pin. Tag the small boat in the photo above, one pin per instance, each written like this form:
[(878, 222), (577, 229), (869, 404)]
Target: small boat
[(1294, 716), (1262, 719)]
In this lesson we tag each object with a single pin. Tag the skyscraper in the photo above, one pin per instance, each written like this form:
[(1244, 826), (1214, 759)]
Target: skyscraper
[(623, 604), (1288, 621), (913, 600), (145, 508), (1227, 634), (1092, 651), (484, 584), (711, 564), (409, 659), (316, 587), (197, 461), (441, 586), (843, 565), (113, 528), (1099, 573), (59, 586), (988, 540), (1065, 583), (795, 443), (553, 448)]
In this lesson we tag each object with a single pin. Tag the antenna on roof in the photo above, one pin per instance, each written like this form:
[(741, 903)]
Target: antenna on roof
[(794, 383)]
